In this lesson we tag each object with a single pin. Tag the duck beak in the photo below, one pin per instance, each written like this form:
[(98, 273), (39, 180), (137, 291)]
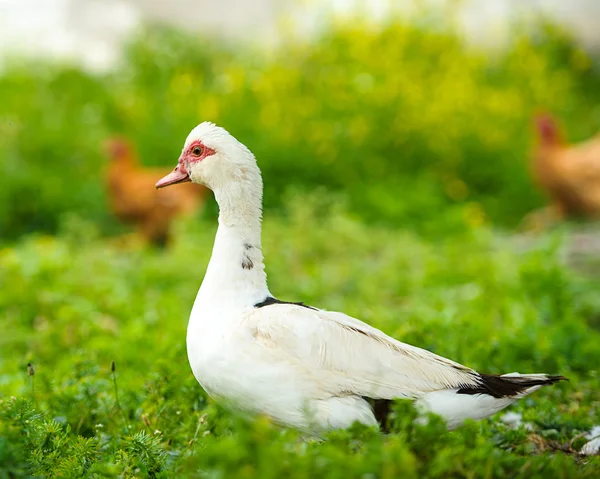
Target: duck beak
[(178, 175)]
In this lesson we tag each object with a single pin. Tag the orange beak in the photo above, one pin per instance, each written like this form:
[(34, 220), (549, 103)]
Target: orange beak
[(178, 175)]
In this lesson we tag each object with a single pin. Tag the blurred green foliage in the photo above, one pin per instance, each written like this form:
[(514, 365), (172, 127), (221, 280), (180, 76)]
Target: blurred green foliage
[(404, 118), (72, 304)]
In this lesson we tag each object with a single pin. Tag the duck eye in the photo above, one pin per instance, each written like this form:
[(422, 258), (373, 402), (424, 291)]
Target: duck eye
[(197, 151)]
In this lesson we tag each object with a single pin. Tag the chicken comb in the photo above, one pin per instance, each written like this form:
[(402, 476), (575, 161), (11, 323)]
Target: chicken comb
[(547, 128), (117, 147)]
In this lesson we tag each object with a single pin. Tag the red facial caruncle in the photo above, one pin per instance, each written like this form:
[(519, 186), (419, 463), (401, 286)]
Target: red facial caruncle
[(197, 151), (194, 153)]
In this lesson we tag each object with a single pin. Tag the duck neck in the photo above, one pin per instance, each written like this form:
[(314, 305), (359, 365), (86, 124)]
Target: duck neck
[(236, 272)]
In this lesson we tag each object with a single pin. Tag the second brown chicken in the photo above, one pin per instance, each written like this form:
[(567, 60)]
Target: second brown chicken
[(569, 173)]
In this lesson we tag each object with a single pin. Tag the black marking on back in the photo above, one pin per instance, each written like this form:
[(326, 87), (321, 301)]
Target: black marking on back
[(381, 410), (269, 300), (248, 246), (506, 386), (247, 263)]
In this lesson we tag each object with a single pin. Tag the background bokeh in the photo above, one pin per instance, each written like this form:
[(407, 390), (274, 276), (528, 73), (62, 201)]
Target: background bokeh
[(404, 117), (396, 153)]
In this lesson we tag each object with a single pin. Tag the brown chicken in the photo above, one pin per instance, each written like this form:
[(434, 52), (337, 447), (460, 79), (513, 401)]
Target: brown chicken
[(134, 198), (570, 174)]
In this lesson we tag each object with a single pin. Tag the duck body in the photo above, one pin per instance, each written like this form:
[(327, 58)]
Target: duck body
[(233, 360), (307, 368), (240, 368)]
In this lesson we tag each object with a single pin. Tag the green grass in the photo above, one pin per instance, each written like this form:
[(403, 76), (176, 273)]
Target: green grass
[(74, 303)]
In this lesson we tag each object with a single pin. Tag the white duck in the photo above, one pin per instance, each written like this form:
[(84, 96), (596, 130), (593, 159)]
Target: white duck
[(306, 368)]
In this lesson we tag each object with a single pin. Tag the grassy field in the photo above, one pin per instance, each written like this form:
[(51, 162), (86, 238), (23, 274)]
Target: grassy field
[(396, 172), (77, 305)]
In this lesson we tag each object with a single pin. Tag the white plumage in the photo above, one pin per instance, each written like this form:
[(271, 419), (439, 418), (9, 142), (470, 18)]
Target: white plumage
[(305, 367)]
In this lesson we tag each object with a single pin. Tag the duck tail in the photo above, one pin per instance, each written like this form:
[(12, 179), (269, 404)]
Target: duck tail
[(491, 394)]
